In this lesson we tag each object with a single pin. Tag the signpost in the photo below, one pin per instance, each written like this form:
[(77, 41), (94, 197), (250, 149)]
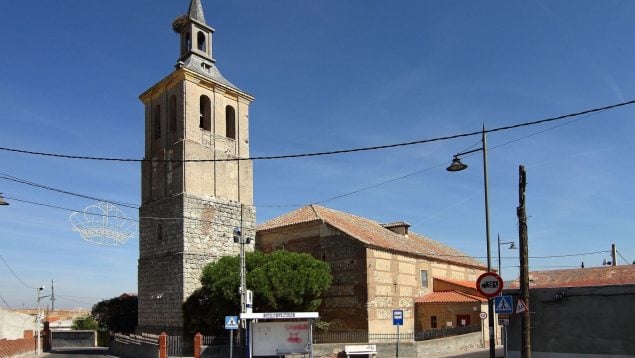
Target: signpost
[(231, 323), (483, 316), (397, 320)]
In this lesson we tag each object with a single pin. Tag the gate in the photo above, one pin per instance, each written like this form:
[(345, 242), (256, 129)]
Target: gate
[(175, 346), (61, 339)]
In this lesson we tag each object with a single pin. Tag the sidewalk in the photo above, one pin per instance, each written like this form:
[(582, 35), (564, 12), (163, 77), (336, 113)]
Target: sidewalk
[(476, 353)]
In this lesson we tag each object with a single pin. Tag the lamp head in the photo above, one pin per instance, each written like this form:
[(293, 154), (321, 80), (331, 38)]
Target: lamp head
[(2, 201), (456, 165), (512, 246)]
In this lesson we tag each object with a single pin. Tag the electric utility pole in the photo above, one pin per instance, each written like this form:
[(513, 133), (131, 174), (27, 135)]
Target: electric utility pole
[(52, 296), (524, 264)]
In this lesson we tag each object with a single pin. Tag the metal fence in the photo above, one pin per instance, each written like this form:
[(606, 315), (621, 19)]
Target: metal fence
[(365, 337), (221, 340), (359, 336), (175, 346)]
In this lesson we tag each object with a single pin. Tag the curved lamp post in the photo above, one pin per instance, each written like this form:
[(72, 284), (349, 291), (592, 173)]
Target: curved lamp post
[(512, 246), (457, 166)]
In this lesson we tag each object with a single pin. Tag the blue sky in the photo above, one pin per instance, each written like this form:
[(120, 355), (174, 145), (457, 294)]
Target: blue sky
[(328, 75)]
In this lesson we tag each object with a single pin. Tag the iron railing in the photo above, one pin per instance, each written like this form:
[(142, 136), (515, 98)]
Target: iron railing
[(361, 336), (365, 337), (175, 346)]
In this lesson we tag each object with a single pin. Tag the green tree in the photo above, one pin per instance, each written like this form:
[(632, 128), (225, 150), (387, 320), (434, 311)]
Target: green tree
[(280, 281), (118, 314), (85, 323)]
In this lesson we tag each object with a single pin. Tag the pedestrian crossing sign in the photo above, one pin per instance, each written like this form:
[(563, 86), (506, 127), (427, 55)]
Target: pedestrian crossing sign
[(503, 304), (231, 322)]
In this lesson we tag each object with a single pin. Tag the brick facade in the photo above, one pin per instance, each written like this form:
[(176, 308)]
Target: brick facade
[(15, 347), (369, 281)]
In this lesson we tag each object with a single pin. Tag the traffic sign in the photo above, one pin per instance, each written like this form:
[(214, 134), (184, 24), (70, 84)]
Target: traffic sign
[(231, 322), (489, 284), (397, 317), (483, 315), (504, 304), (503, 321), (521, 306)]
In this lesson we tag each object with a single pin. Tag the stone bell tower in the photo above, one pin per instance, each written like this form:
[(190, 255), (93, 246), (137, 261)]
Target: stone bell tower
[(194, 190)]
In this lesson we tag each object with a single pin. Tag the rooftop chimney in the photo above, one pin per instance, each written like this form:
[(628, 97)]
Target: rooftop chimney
[(399, 227)]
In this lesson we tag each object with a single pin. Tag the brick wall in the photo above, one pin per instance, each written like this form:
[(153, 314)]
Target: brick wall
[(10, 348)]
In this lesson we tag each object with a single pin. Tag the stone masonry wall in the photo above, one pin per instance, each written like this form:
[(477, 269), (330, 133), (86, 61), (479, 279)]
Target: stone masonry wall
[(178, 237), (210, 236)]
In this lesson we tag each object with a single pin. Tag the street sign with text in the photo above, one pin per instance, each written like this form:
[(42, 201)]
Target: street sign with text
[(397, 317)]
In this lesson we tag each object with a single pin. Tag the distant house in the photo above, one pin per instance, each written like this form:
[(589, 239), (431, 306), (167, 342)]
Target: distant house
[(377, 268), (586, 312), (452, 303)]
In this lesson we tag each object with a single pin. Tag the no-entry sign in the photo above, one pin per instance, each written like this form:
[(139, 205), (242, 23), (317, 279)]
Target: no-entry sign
[(489, 284)]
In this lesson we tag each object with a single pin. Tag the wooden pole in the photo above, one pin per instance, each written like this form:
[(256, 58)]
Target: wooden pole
[(524, 263), (613, 255)]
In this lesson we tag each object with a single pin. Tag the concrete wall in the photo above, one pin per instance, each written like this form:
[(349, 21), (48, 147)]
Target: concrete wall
[(586, 322), (13, 324), (408, 349)]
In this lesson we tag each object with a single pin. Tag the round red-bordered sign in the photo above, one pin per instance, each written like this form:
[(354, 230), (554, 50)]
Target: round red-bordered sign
[(489, 284)]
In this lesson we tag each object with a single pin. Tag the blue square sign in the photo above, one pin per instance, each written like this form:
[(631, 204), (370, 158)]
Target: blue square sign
[(397, 317), (231, 322), (503, 304)]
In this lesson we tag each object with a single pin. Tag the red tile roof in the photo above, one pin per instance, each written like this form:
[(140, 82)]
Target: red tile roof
[(593, 276), (449, 297), (371, 233), (462, 283)]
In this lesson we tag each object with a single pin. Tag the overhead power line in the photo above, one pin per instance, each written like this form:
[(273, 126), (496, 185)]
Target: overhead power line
[(333, 152), (41, 186), (14, 274), (623, 258)]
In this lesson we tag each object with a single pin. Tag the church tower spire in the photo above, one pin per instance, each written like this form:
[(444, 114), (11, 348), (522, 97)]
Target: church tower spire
[(196, 11), (196, 185)]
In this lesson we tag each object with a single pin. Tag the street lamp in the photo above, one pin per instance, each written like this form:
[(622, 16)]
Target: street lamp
[(458, 166), (512, 246), (38, 320), (2, 201)]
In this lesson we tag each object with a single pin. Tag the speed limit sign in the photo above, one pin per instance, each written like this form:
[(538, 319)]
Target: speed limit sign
[(483, 315)]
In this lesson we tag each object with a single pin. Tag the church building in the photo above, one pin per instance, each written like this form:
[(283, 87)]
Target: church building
[(195, 191)]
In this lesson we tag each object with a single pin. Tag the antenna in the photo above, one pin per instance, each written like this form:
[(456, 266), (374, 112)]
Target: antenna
[(52, 296)]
